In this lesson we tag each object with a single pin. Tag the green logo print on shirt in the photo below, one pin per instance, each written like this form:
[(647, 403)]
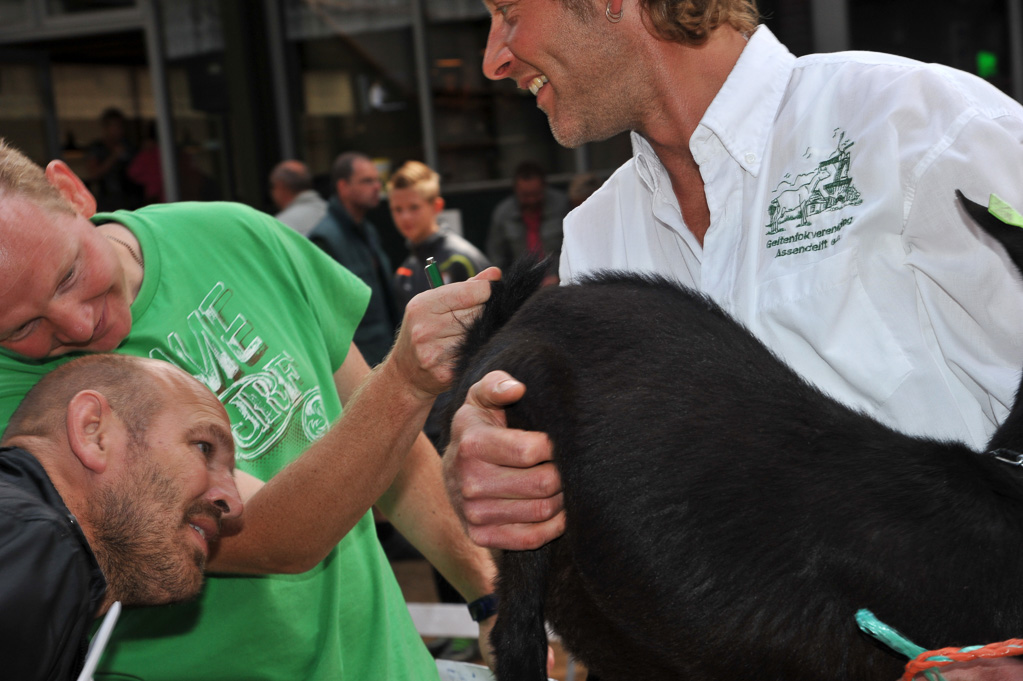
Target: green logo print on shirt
[(824, 189), (261, 401)]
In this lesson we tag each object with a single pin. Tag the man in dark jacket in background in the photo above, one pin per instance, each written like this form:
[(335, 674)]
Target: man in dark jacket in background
[(528, 221), (352, 240), (115, 474), (416, 204)]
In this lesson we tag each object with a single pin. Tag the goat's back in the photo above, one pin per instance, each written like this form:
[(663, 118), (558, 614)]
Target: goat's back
[(725, 518)]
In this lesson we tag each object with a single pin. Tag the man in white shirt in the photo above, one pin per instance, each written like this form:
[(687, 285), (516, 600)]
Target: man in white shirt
[(291, 188), (812, 198)]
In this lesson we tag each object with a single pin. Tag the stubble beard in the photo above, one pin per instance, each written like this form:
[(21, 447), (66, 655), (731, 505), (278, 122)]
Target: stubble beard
[(575, 128), (594, 114), (144, 561)]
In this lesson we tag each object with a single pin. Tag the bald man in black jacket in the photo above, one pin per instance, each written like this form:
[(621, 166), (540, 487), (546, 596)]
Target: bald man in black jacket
[(91, 514)]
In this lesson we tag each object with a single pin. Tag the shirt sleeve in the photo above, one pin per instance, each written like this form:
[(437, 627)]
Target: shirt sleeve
[(335, 297), (969, 294)]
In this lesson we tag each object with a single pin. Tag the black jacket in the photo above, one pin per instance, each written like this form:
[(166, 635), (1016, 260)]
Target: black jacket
[(357, 247), (456, 258), (50, 584)]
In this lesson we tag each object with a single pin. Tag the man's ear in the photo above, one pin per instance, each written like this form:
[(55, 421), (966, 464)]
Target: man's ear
[(90, 423), (438, 205), (71, 188)]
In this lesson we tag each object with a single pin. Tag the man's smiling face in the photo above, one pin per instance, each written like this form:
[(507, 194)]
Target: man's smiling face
[(571, 58), (61, 283)]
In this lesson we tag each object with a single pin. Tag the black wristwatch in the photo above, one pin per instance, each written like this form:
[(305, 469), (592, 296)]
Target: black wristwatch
[(483, 607)]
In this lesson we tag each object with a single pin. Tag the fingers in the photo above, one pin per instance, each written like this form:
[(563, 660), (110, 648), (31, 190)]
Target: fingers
[(463, 300), (514, 512), (492, 511), (434, 324), (500, 463), (497, 389), (488, 459), (501, 481), (489, 274), (517, 537), (463, 294)]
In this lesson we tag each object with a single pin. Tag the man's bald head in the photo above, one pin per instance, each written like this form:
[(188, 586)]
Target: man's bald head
[(141, 453), (288, 179), (126, 382)]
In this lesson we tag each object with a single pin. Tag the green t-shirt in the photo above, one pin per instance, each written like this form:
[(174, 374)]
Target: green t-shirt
[(264, 319)]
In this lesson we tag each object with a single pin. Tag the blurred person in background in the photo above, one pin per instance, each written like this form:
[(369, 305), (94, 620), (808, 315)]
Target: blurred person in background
[(415, 201), (107, 161), (350, 238), (291, 188), (528, 221)]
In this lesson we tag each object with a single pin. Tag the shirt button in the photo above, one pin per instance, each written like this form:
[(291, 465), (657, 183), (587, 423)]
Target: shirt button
[(751, 158)]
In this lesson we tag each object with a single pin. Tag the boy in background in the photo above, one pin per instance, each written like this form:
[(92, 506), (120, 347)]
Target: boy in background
[(414, 196), (415, 200)]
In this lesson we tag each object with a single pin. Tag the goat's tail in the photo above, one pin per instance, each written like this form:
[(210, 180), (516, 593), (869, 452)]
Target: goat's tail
[(521, 281), (520, 634)]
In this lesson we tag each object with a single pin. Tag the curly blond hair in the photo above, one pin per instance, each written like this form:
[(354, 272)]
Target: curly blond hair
[(23, 177), (691, 21), (688, 21)]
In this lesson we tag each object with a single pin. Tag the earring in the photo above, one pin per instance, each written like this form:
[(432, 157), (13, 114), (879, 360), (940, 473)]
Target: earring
[(612, 17)]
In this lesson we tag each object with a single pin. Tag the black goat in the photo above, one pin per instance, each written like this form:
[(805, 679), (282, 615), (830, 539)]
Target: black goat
[(726, 519)]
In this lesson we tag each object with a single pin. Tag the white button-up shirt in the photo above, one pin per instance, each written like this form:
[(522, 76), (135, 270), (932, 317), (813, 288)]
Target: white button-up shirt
[(835, 234)]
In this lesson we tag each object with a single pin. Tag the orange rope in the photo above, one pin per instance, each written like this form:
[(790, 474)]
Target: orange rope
[(923, 661)]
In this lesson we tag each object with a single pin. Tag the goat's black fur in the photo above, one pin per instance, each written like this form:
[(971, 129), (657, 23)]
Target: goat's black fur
[(726, 519)]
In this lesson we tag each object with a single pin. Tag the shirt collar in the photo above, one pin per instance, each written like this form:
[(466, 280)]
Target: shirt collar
[(342, 214), (648, 166), (307, 196), (743, 111)]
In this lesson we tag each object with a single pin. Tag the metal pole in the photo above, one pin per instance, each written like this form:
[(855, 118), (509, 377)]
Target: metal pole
[(581, 156), (422, 57), (44, 78), (1016, 43), (830, 25), (282, 93), (161, 99)]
